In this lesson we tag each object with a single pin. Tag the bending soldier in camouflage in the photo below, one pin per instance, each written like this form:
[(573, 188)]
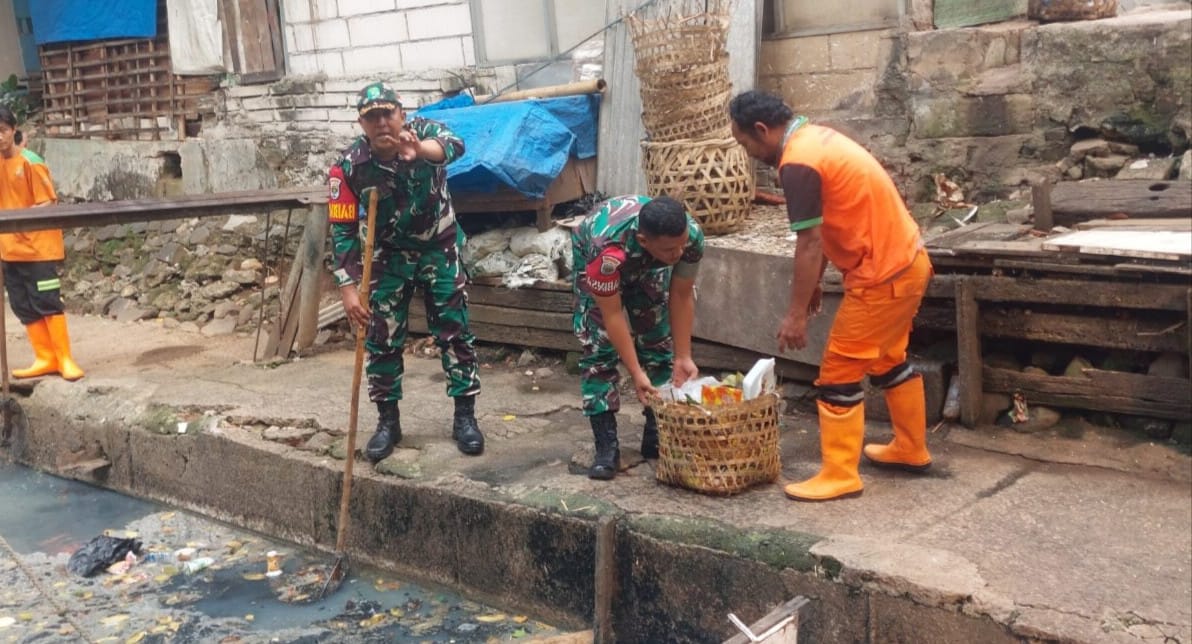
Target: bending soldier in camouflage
[(416, 244), (635, 266)]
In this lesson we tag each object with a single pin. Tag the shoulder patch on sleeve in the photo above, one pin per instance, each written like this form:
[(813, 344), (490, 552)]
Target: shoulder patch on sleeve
[(342, 207), (603, 274)]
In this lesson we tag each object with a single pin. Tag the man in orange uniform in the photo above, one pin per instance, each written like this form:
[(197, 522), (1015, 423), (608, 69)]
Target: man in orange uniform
[(846, 210), (31, 260)]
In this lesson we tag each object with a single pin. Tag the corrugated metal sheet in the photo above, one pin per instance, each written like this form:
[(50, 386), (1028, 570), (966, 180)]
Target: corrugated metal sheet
[(621, 130)]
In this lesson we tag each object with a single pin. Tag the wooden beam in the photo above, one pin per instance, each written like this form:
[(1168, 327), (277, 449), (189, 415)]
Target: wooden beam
[(1041, 202), (968, 345), (1098, 331), (521, 298), (1080, 293), (310, 255), (103, 213), (1075, 201), (1110, 391), (606, 579)]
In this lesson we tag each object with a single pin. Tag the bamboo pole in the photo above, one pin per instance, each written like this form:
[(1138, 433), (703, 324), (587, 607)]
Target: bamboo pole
[(596, 86)]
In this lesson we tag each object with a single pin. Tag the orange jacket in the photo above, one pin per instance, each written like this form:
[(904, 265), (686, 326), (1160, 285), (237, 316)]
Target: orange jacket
[(866, 230), (25, 182)]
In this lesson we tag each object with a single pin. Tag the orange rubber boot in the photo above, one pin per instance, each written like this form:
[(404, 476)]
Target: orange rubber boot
[(61, 342), (908, 415), (841, 431), (44, 360)]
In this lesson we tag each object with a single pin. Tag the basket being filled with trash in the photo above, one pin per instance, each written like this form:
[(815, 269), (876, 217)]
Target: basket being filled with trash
[(719, 437)]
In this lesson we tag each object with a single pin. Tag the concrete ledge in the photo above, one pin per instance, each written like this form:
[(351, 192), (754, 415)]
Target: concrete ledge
[(678, 577)]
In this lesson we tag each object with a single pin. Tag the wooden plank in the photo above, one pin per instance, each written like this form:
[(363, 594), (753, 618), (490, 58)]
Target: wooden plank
[(968, 352), (1056, 267), (1075, 201), (966, 13), (1032, 248), (787, 615), (515, 335), (1144, 244), (522, 298), (547, 320), (621, 129), (540, 285), (1080, 293), (1141, 223), (1156, 333), (310, 254), (123, 212), (1041, 202), (1115, 392)]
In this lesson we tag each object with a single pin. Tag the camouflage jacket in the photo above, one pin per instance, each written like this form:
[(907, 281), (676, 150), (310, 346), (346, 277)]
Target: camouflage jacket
[(606, 244), (413, 205)]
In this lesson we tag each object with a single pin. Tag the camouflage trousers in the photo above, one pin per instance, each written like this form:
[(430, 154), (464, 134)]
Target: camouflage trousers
[(645, 303), (440, 276)]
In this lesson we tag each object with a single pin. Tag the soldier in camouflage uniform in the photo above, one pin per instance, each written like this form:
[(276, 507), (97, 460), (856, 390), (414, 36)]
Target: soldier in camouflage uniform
[(416, 244), (635, 265)]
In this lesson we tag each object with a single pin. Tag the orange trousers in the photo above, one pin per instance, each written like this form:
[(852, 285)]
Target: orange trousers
[(873, 326)]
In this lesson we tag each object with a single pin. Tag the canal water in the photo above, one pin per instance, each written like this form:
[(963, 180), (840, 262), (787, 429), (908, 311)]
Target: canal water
[(203, 581)]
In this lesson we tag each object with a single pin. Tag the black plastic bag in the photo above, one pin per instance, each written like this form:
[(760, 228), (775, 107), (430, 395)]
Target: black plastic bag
[(101, 552)]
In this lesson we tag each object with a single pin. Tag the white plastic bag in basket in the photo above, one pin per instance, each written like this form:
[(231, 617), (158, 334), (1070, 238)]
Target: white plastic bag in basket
[(692, 390)]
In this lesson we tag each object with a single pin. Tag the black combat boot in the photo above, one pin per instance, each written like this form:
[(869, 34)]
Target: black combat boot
[(650, 435), (464, 429), (380, 446), (608, 450)]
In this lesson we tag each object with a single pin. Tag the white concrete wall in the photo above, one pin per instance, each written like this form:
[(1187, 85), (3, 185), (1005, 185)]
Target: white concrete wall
[(10, 45), (346, 38)]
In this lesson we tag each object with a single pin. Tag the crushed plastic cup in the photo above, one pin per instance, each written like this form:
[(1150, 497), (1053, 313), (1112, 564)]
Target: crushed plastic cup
[(272, 563)]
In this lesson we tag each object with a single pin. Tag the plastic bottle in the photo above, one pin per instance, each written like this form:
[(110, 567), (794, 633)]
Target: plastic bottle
[(195, 565)]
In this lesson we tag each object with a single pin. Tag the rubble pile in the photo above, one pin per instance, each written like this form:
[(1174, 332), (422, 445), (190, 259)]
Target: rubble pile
[(519, 256)]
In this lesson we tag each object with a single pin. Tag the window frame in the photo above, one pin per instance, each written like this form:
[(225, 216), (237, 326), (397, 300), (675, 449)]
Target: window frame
[(778, 15), (479, 40)]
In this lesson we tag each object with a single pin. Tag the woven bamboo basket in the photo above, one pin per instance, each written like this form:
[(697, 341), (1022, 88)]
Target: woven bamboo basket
[(718, 450), (688, 105), (1065, 10), (672, 42), (712, 177)]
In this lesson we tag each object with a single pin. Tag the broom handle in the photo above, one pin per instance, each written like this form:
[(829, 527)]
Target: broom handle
[(4, 341), (341, 535)]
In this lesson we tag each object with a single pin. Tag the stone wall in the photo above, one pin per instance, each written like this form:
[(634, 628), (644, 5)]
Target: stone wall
[(995, 106)]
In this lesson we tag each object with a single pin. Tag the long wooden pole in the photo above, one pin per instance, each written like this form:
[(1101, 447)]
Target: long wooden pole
[(552, 91), (341, 535)]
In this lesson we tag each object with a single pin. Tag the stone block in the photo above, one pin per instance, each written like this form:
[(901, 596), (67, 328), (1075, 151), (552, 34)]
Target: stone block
[(297, 10), (1186, 166), (966, 116), (409, 4), (442, 53), (324, 10), (859, 50), (830, 91), (378, 29), (935, 388), (362, 60), (302, 64), (785, 56), (439, 22), (349, 8), (332, 34), (330, 63), (1152, 169), (301, 38), (469, 45)]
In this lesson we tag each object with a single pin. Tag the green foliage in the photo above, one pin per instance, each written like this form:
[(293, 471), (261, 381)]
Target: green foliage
[(15, 98)]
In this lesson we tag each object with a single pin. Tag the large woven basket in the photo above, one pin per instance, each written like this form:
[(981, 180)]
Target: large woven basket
[(692, 104), (1064, 10), (718, 450), (712, 177), (672, 43)]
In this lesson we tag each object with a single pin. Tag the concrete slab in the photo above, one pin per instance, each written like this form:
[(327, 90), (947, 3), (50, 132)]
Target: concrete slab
[(987, 547)]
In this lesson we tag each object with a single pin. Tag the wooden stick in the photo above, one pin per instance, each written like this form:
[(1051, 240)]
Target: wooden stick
[(5, 412), (366, 260), (570, 89)]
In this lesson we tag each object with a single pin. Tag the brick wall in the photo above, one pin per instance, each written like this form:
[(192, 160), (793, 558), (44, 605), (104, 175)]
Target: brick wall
[(827, 73)]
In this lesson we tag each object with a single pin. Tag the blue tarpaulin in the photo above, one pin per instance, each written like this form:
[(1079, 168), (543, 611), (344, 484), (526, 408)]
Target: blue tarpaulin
[(523, 145), (69, 20)]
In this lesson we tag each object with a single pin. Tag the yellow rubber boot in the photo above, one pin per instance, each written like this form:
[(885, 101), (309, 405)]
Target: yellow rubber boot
[(45, 362), (61, 341), (841, 431), (908, 415)]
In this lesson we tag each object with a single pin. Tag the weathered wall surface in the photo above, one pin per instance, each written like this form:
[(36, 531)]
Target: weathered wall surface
[(995, 106)]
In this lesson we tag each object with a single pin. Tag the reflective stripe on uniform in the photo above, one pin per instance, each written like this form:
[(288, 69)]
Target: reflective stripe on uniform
[(49, 285)]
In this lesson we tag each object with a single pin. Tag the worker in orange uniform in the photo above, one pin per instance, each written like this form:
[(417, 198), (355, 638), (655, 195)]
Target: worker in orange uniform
[(845, 209), (32, 259)]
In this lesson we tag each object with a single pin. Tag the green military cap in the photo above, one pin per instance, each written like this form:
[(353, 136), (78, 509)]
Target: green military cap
[(376, 96)]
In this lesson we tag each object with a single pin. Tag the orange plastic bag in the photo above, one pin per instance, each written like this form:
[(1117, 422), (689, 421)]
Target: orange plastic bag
[(719, 395)]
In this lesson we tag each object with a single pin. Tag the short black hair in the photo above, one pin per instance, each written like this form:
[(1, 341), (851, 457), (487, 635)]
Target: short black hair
[(756, 106), (662, 217), (7, 117)]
